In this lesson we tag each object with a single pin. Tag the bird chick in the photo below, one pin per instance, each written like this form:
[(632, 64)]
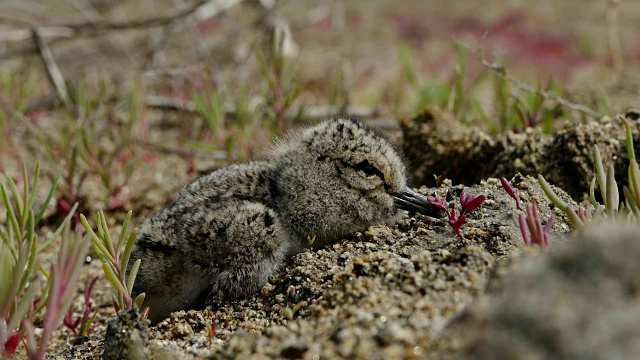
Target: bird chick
[(230, 230)]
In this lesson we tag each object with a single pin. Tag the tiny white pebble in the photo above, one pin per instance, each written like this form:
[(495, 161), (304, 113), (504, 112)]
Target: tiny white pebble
[(417, 350)]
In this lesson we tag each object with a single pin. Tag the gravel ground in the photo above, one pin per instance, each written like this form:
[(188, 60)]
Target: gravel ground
[(390, 292), (402, 291)]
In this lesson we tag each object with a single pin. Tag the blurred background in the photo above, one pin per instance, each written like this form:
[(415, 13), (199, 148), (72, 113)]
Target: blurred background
[(117, 104), (101, 91)]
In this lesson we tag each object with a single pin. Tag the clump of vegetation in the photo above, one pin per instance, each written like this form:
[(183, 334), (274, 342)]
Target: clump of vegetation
[(536, 234), (468, 203), (212, 329), (280, 90), (82, 148), (14, 88), (230, 140), (63, 276), (30, 294), (530, 224), (511, 110), (270, 107), (612, 207), (115, 257), (82, 326)]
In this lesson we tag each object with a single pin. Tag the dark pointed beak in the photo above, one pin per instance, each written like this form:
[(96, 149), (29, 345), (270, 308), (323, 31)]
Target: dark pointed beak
[(414, 202)]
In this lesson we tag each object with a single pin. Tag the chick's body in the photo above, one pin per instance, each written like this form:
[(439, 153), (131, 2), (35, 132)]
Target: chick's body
[(230, 230)]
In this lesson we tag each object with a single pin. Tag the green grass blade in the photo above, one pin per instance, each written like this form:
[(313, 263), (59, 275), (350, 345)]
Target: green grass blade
[(19, 272), (100, 228), (7, 240), (592, 193), (264, 67), (613, 197), (43, 209), (31, 245), (458, 88), (132, 275), (629, 138), (6, 279), (123, 232), (111, 276), (23, 306), (104, 229), (97, 243), (555, 199), (633, 204), (86, 226), (34, 188), (84, 331), (20, 205), (634, 180), (128, 248), (102, 251), (25, 195), (139, 300), (10, 211), (602, 184), (405, 54)]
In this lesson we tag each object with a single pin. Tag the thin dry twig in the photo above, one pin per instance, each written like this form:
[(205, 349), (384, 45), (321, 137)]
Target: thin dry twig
[(96, 28), (501, 70), (45, 32), (174, 71), (165, 149), (312, 112), (169, 103), (53, 71)]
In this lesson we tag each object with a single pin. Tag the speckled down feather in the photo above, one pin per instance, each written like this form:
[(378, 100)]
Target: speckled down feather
[(228, 231)]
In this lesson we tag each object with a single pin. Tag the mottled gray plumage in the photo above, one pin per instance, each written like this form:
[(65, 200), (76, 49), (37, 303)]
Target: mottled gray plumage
[(230, 230)]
